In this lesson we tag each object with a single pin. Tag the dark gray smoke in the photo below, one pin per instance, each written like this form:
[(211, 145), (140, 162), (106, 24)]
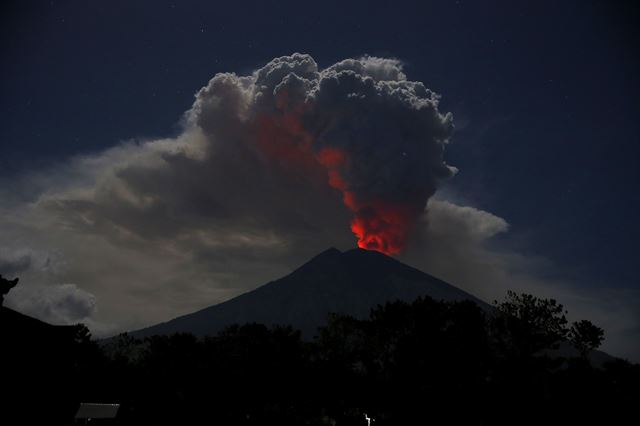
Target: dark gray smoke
[(380, 137)]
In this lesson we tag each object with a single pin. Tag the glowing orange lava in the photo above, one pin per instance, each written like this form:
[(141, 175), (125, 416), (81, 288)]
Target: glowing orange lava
[(383, 228), (379, 226)]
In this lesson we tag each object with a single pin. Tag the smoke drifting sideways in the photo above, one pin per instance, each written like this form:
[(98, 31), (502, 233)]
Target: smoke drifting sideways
[(379, 137)]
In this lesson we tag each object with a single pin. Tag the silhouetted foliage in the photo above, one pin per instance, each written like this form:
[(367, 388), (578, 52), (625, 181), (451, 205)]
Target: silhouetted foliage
[(5, 286), (528, 325), (585, 336), (425, 362)]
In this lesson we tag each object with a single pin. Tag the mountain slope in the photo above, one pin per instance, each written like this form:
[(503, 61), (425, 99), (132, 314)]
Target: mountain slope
[(350, 282)]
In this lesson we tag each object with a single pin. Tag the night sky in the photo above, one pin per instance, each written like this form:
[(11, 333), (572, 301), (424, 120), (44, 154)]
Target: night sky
[(544, 98)]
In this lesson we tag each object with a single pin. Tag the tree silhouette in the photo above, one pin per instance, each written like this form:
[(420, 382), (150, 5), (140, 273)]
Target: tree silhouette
[(426, 361), (529, 325), (5, 286), (585, 336)]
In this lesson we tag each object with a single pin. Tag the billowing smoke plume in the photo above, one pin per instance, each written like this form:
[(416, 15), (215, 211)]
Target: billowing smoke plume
[(379, 137)]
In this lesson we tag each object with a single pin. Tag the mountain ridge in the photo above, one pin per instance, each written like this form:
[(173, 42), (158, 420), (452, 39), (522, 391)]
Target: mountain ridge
[(350, 282)]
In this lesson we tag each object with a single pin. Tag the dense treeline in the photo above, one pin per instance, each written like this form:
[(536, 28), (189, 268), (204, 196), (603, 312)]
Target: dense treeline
[(425, 362)]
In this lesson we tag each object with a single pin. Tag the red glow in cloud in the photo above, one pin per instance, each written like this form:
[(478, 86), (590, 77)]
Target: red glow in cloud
[(282, 138), (384, 228), (379, 226)]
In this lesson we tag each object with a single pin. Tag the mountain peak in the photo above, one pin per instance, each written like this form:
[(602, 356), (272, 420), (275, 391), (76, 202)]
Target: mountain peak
[(365, 254), (331, 252), (350, 282)]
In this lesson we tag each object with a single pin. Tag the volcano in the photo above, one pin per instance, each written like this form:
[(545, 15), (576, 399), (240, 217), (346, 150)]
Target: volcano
[(350, 282)]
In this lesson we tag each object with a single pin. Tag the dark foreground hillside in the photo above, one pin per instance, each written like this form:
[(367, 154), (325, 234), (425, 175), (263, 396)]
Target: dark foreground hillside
[(424, 362), (42, 368)]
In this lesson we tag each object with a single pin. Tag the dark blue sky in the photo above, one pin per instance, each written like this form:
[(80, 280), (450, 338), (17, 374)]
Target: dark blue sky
[(544, 94)]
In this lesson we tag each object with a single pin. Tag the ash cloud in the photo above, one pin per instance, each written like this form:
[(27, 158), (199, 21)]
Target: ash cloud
[(57, 304), (19, 260), (391, 128), (380, 136), (12, 264), (250, 140)]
